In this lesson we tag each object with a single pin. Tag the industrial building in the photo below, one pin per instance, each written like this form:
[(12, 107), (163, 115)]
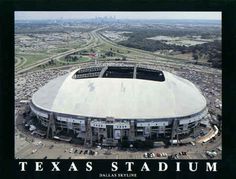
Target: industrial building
[(106, 104)]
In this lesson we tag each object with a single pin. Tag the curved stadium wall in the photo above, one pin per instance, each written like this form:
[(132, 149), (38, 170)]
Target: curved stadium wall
[(109, 123)]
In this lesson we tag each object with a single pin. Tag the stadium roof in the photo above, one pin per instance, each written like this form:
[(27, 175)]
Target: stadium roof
[(120, 98)]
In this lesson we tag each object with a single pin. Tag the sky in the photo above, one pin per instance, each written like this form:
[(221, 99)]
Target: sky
[(53, 15)]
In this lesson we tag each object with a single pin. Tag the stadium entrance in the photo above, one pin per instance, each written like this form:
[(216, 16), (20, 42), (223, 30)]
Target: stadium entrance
[(109, 129)]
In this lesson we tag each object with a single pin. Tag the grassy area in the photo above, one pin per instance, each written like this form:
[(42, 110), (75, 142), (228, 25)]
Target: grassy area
[(17, 49), (82, 59), (61, 63), (76, 44), (121, 50), (17, 60), (59, 50), (107, 47), (31, 59), (135, 53), (47, 65)]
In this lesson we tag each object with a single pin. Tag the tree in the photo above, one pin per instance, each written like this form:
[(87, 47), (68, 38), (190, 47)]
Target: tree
[(92, 50), (195, 57), (109, 54)]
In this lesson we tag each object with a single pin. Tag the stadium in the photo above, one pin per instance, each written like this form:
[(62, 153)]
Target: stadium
[(110, 103)]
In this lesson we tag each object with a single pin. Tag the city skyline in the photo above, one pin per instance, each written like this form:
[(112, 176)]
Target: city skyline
[(131, 15)]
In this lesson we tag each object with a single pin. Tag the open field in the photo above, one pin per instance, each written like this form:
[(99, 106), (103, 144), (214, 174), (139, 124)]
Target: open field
[(32, 58), (182, 41), (80, 59)]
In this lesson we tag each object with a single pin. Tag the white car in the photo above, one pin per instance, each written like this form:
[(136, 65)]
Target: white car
[(149, 155), (99, 147), (145, 155), (164, 154), (33, 151), (152, 155), (32, 128)]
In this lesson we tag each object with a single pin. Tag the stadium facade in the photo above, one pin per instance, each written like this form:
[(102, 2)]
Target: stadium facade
[(106, 104)]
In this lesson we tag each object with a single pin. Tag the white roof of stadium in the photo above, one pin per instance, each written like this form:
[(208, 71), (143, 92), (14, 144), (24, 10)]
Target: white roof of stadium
[(120, 98)]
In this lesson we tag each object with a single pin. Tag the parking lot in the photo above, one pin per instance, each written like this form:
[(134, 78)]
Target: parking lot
[(37, 148)]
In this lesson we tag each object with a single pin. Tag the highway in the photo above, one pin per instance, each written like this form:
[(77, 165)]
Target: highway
[(89, 44), (137, 55)]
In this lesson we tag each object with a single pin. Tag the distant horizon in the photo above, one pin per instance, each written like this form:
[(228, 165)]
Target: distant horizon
[(120, 19), (116, 15)]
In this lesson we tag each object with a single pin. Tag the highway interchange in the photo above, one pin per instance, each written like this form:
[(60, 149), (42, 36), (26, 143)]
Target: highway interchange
[(136, 55)]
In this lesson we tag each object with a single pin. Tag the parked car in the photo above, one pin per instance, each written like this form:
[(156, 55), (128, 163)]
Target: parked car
[(145, 155), (211, 154), (176, 156), (152, 155), (219, 148), (33, 151), (164, 154), (149, 155), (158, 154)]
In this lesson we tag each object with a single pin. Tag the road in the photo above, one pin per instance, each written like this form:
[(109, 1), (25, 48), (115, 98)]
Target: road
[(138, 56), (145, 56), (57, 56), (20, 62)]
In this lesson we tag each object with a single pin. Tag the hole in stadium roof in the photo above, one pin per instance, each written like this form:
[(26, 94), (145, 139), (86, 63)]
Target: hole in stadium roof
[(149, 74), (120, 72)]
